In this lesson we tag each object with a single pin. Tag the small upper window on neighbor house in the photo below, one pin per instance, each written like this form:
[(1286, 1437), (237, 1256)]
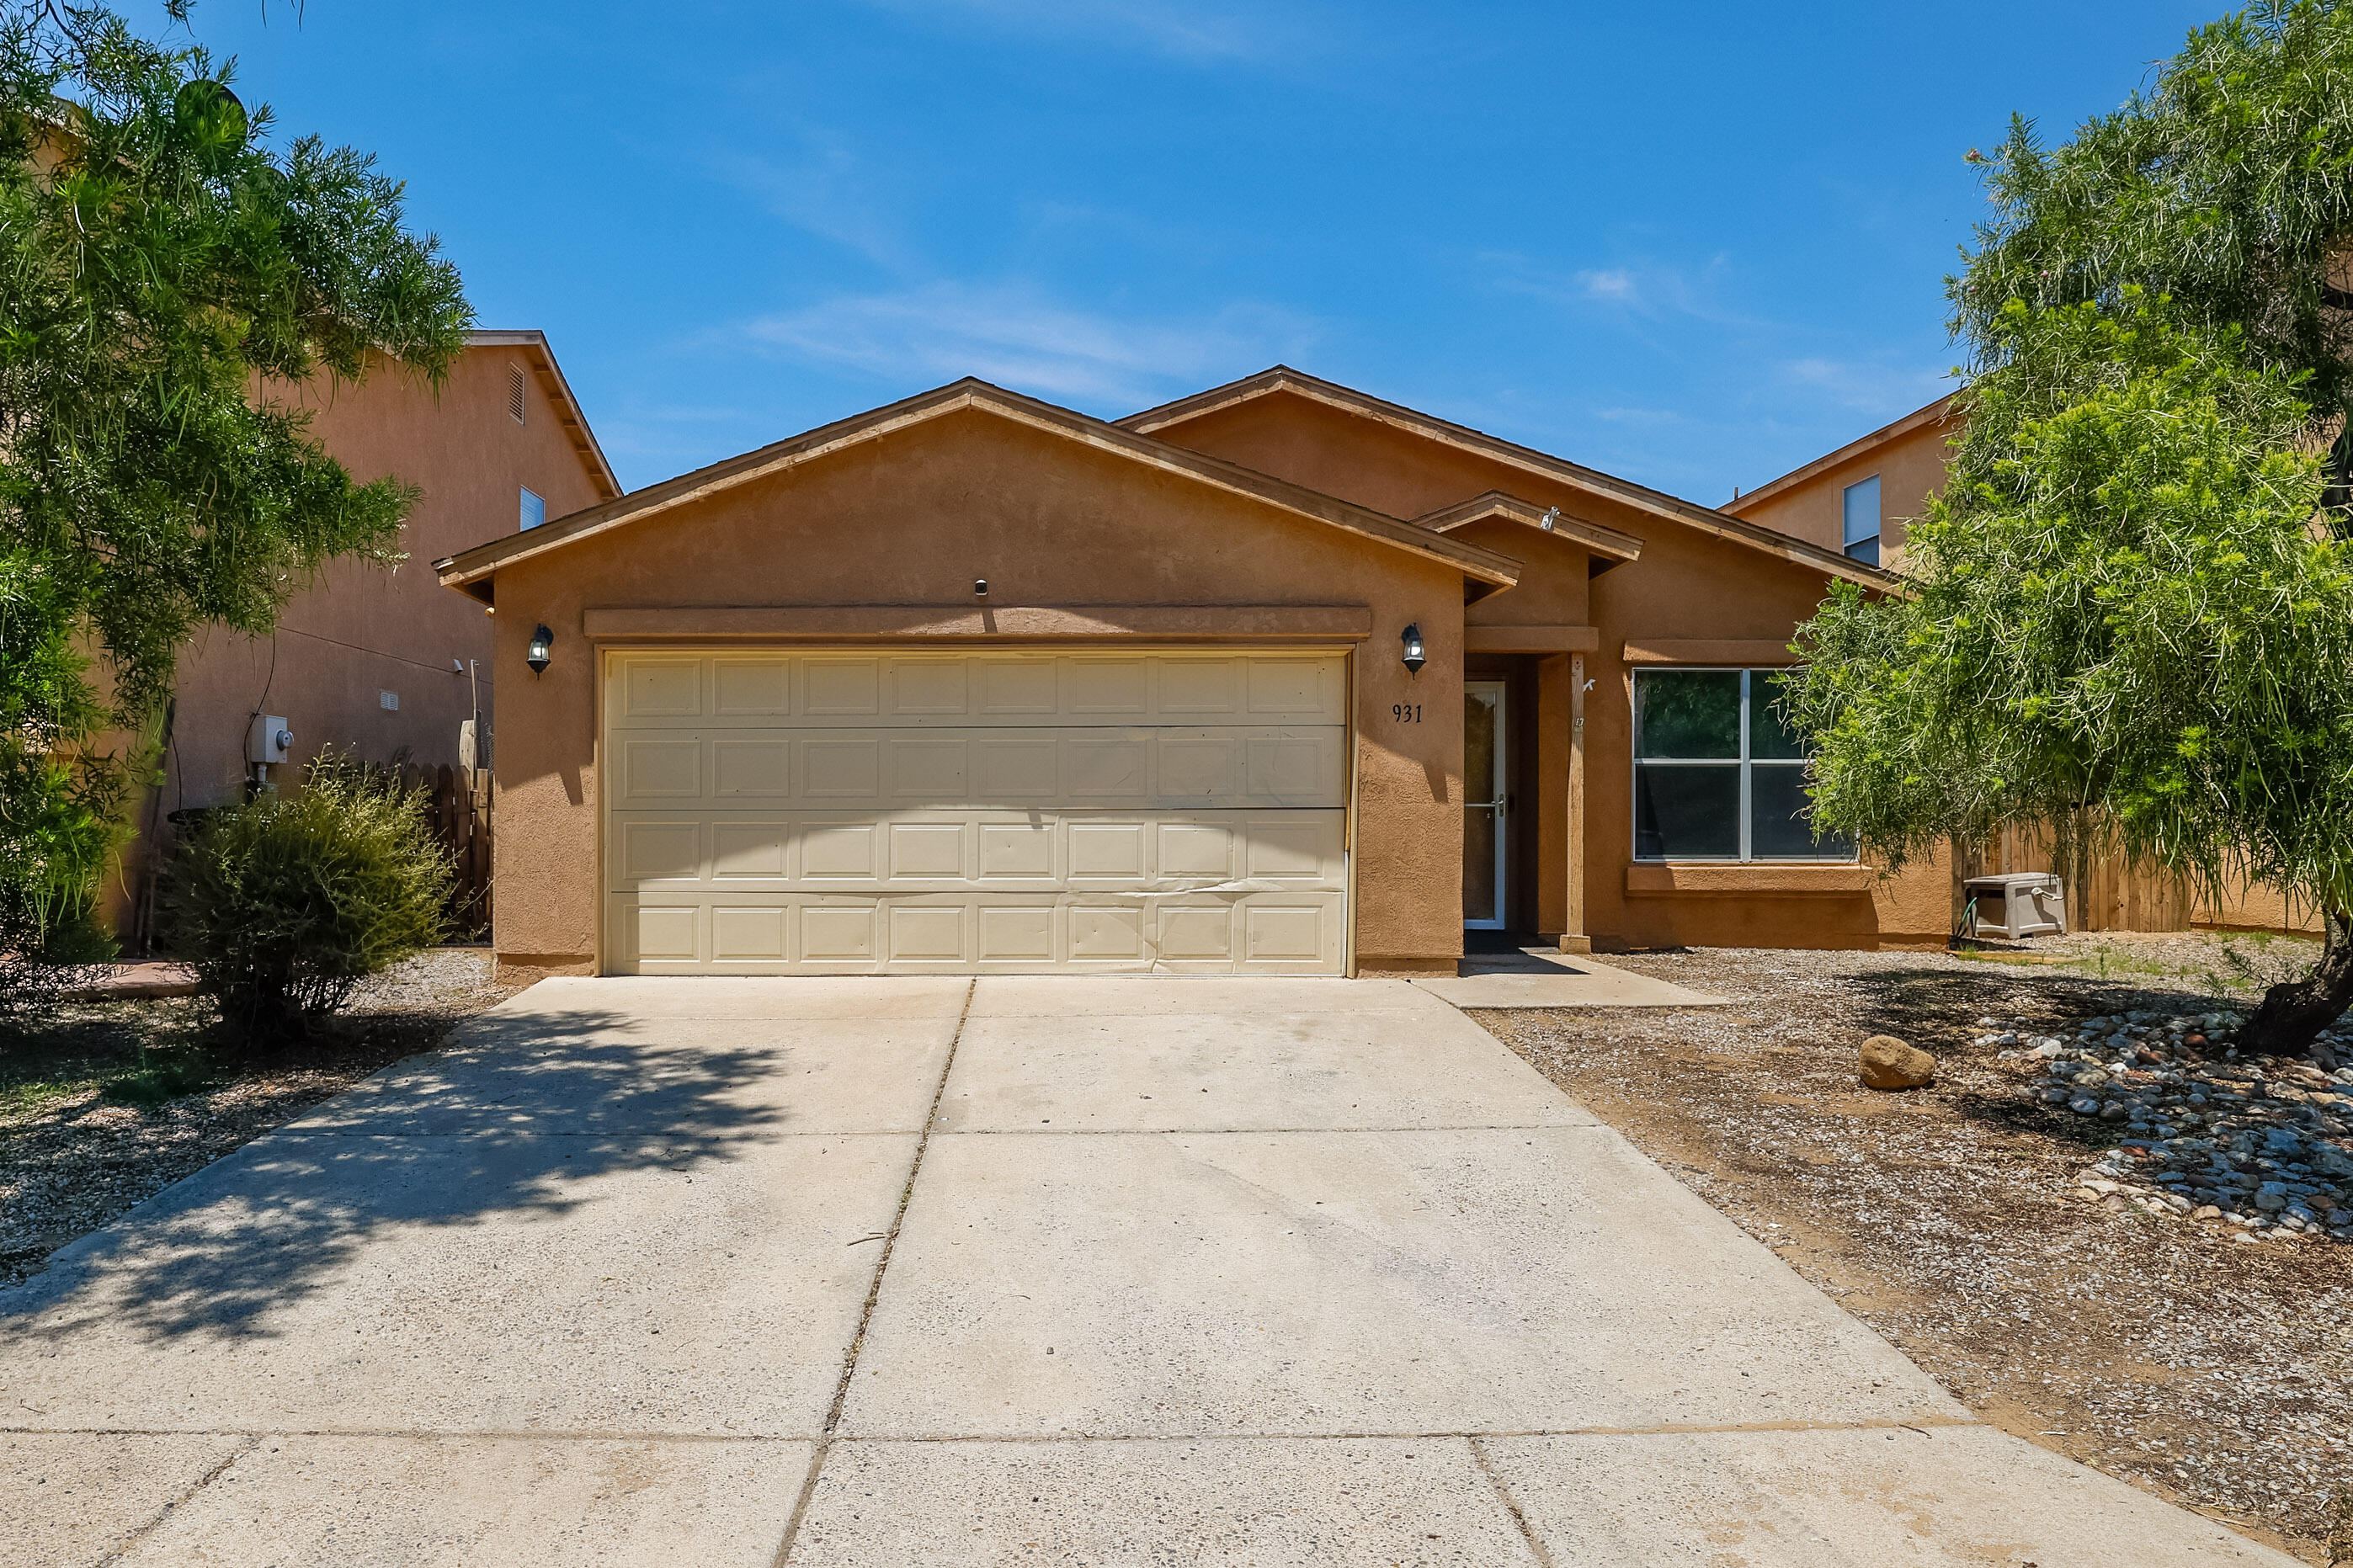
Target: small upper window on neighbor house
[(516, 387), (534, 510), (1863, 520)]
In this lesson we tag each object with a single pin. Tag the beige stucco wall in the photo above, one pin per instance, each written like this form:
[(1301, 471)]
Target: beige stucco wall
[(915, 517), (1911, 468), (359, 631), (1687, 584)]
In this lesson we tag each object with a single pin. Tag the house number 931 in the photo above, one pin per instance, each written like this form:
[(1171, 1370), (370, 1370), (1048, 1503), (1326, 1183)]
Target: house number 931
[(1406, 713)]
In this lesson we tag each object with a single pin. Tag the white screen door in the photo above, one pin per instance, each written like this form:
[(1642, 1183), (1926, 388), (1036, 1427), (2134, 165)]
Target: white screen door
[(1482, 806)]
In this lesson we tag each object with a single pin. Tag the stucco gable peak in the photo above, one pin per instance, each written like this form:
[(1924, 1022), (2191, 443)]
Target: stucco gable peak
[(534, 346), (471, 571), (1285, 379), (1597, 537)]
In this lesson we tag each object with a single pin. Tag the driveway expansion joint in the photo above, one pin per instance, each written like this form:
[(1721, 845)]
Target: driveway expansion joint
[(873, 1293), (1511, 1504)]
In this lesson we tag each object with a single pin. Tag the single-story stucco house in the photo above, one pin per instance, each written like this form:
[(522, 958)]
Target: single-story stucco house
[(1279, 679)]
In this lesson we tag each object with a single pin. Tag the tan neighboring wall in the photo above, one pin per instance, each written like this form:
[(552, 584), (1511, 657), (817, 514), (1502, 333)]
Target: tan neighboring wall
[(1698, 598), (360, 631), (1908, 456), (911, 518)]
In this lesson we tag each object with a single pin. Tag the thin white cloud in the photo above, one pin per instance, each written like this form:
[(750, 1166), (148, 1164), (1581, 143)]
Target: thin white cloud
[(1018, 338), (827, 192), (1874, 388), (1655, 291), (1193, 31), (1616, 284)]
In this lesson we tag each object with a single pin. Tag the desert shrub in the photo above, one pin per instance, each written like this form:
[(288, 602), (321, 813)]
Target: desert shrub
[(284, 904)]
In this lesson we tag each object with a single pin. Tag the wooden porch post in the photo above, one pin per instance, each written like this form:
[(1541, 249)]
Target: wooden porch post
[(1574, 937)]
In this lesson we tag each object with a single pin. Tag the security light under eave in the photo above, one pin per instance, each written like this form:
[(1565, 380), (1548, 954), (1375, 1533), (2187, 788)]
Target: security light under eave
[(541, 640), (1414, 657)]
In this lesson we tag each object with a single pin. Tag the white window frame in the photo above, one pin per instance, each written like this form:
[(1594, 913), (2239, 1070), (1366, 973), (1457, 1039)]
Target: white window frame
[(1636, 763)]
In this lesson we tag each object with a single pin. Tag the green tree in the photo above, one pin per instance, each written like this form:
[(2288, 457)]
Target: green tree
[(2227, 185), (2132, 612), (161, 263), (2123, 621)]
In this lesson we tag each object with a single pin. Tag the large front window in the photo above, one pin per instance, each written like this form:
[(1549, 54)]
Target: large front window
[(1718, 775)]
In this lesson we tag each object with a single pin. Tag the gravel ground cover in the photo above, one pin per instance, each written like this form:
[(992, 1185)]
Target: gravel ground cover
[(122, 1099), (1954, 1219)]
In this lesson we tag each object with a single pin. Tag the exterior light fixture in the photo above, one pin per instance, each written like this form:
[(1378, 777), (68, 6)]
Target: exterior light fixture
[(1551, 521), (1414, 657), (541, 639), (980, 587)]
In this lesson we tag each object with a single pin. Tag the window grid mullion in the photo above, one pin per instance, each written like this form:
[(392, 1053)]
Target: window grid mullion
[(1745, 812)]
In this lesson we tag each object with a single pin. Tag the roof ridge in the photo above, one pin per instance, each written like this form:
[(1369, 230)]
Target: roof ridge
[(471, 567), (1642, 498)]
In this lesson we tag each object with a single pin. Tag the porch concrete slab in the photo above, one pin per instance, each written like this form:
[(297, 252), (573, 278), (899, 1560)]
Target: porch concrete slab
[(1163, 995), (461, 1502), (706, 1283), (1948, 1496), (1346, 1068), (1268, 1503), (547, 1073), (1314, 1284), (73, 1499), (818, 997), (1536, 977)]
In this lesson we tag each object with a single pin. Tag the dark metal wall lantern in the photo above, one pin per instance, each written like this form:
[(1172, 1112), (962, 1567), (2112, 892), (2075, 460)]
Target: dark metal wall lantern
[(1414, 657), (542, 639)]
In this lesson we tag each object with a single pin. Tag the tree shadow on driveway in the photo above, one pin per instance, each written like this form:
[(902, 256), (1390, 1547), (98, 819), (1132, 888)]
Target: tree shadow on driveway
[(516, 1120)]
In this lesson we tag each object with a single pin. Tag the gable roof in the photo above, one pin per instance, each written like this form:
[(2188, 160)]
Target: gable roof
[(1641, 498), (1619, 547), (472, 570), (550, 377), (1931, 414)]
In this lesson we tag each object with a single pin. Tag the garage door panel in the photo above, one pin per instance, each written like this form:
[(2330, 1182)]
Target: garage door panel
[(655, 770), (753, 850), (927, 851), (928, 688), (655, 686), (841, 688), (842, 769), (751, 688), (814, 812), (812, 690), (751, 769), (1273, 931), (926, 933), (931, 771)]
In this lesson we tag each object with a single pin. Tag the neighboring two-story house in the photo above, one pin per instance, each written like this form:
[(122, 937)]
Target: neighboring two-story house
[(384, 664), (1859, 500)]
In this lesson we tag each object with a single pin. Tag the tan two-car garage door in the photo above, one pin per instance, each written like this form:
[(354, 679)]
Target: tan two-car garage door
[(844, 812)]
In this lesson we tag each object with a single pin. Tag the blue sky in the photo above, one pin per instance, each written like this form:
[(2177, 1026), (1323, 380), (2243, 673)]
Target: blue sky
[(1693, 246)]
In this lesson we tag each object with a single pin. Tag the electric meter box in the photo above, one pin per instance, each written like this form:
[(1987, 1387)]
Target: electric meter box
[(269, 740)]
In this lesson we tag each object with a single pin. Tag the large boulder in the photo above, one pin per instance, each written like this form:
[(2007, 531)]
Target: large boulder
[(1889, 1063)]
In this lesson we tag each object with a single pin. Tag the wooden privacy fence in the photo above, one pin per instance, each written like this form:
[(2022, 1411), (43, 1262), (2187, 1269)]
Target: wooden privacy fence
[(457, 806), (2105, 891)]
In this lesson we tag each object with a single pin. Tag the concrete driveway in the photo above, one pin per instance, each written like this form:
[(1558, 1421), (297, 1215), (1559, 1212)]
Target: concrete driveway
[(905, 1272)]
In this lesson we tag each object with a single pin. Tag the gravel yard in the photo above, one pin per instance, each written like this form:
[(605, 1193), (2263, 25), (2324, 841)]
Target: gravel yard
[(123, 1098), (1955, 1220)]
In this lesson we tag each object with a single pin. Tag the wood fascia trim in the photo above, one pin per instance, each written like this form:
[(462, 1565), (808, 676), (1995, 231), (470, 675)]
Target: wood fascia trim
[(1325, 623), (1706, 519), (1599, 540), (1930, 414), (1478, 637), (1721, 877), (1484, 567), (1708, 650)]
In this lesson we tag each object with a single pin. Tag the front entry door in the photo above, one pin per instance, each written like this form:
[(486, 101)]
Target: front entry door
[(1484, 804)]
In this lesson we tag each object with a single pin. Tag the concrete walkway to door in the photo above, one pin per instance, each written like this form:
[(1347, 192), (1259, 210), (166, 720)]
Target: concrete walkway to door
[(907, 1272)]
